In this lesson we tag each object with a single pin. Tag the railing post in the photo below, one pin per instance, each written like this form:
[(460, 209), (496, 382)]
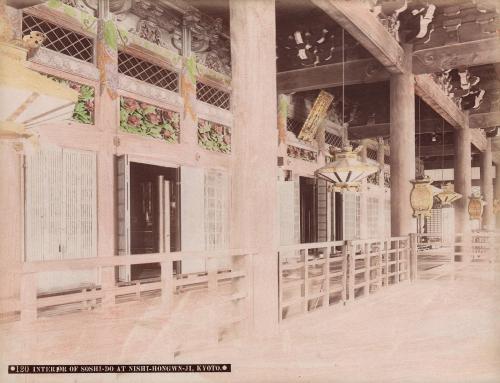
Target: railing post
[(29, 311), (344, 272), (167, 283), (108, 285), (213, 313), (413, 257), (368, 273), (352, 267)]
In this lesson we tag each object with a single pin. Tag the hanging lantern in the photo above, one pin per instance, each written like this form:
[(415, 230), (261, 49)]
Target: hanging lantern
[(448, 195), (476, 206), (346, 171), (422, 196)]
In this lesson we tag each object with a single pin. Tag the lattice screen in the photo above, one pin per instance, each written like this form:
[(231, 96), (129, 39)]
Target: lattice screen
[(373, 214), (333, 140), (213, 96), (216, 210), (433, 223), (371, 154), (387, 217), (148, 72), (61, 213), (294, 126), (352, 218), (60, 39)]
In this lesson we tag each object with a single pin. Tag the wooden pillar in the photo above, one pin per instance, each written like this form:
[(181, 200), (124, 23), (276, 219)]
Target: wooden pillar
[(107, 121), (463, 180), (11, 217), (487, 186), (254, 187), (381, 202), (402, 111), (363, 200), (497, 192)]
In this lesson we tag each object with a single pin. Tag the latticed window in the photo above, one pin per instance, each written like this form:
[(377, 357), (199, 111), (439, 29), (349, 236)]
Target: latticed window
[(333, 140), (352, 218), (294, 126), (371, 154), (212, 95), (216, 209), (60, 39), (374, 229), (433, 222), (145, 71)]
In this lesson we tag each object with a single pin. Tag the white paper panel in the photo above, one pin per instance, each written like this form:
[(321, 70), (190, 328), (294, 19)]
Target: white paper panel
[(193, 216), (123, 212)]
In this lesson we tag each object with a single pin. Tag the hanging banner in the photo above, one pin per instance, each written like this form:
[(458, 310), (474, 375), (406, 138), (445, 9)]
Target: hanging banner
[(316, 116)]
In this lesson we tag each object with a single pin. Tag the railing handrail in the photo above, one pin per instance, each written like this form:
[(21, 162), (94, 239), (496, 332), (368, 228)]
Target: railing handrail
[(125, 260), (311, 245)]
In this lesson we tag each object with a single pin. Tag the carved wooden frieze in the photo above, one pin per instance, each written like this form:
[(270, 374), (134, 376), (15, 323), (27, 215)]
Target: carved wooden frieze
[(209, 44), (150, 91), (301, 153), (64, 63), (463, 87), (315, 44), (152, 22)]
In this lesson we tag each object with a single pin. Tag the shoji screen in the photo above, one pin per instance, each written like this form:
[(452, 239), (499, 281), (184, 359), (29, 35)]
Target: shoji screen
[(351, 210), (193, 216), (217, 205), (205, 204), (286, 190), (61, 212), (374, 229), (321, 213)]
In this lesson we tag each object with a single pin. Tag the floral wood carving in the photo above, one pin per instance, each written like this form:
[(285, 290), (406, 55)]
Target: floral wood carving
[(149, 120), (214, 137), (84, 107), (301, 153)]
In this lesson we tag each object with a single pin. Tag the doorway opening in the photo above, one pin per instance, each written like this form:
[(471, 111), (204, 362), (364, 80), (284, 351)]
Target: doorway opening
[(308, 218), (154, 214)]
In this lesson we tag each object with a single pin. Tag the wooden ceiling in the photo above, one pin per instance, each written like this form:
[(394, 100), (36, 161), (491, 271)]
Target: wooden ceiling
[(465, 33)]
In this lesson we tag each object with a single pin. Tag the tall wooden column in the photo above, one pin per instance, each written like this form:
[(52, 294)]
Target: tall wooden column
[(254, 188), (497, 192), (487, 186), (463, 178), (107, 121), (402, 112)]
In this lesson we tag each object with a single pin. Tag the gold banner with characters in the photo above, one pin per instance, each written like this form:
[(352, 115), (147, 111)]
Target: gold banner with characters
[(316, 116)]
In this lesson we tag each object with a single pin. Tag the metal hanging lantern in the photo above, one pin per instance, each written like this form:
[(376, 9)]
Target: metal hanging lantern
[(476, 207), (422, 197), (346, 171), (448, 195)]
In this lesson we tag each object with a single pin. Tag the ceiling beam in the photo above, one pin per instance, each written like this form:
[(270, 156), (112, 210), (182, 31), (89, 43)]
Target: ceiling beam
[(328, 76), (448, 163), (426, 126), (355, 17), (433, 95), (470, 53), (484, 120), (478, 139), (435, 150)]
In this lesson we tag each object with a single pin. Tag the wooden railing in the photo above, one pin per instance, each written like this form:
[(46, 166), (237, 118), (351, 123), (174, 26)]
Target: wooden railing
[(442, 259), (230, 284), (374, 264), (319, 275)]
